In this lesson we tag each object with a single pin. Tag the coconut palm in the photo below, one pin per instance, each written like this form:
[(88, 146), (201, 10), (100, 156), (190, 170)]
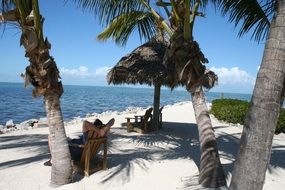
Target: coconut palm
[(268, 95), (183, 59), (43, 74)]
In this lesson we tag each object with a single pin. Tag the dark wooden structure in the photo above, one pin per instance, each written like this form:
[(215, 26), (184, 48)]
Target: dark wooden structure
[(89, 161), (141, 123)]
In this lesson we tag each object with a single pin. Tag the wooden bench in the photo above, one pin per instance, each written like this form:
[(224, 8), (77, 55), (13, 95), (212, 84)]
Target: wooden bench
[(141, 123)]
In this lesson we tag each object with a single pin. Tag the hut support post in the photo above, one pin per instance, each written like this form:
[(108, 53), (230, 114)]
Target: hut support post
[(156, 103)]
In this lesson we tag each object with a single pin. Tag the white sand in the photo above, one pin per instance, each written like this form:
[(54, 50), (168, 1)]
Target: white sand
[(164, 160)]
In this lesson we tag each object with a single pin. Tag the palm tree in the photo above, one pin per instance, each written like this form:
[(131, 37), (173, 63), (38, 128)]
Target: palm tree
[(43, 74), (183, 59), (267, 18)]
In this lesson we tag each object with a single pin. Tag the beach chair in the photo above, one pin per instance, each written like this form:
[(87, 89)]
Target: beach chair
[(89, 162), (141, 124)]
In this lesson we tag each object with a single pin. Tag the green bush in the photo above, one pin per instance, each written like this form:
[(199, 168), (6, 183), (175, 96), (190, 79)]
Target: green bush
[(280, 128), (234, 111)]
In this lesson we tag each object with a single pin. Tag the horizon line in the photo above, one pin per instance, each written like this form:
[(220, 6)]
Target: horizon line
[(134, 86)]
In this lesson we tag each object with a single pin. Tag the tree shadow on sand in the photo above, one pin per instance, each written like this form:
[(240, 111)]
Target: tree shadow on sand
[(173, 141), (35, 143), (229, 146)]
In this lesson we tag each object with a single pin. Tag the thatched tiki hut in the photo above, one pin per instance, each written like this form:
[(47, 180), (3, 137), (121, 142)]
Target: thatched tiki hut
[(143, 66)]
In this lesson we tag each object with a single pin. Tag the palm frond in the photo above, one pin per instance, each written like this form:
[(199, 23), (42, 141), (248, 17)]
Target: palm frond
[(107, 10), (7, 5), (203, 3), (251, 14), (122, 26)]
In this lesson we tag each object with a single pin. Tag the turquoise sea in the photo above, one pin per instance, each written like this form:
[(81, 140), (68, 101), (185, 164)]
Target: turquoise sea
[(16, 102)]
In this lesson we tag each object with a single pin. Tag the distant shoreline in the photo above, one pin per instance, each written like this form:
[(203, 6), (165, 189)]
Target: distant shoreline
[(129, 86)]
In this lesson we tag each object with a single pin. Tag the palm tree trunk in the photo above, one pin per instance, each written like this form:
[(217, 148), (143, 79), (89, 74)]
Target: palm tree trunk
[(43, 74), (184, 61), (61, 163), (211, 171), (156, 102), (256, 140)]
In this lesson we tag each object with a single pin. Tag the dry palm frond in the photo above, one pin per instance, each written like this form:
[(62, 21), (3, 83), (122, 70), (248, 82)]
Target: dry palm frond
[(185, 64)]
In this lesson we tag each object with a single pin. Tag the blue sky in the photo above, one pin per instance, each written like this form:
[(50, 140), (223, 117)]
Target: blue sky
[(82, 60)]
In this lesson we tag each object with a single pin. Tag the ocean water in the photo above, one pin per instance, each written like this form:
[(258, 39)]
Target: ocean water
[(16, 102)]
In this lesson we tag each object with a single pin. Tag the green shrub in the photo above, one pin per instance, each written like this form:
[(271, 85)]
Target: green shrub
[(234, 111), (280, 128)]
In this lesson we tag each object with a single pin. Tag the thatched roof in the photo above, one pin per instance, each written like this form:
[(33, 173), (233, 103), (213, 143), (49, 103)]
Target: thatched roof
[(143, 65)]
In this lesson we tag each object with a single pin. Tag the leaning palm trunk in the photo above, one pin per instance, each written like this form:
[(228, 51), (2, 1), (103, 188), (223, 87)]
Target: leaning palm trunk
[(184, 61), (61, 166), (185, 64), (211, 171), (256, 140), (43, 74), (44, 77)]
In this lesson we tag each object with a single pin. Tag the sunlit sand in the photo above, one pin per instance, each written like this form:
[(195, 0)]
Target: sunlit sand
[(167, 159)]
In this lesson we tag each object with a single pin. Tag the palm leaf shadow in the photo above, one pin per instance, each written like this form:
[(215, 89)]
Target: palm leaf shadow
[(229, 146), (175, 140), (181, 140), (35, 142)]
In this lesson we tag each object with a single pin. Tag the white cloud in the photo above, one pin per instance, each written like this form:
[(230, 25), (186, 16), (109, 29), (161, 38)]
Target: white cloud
[(81, 71), (233, 76), (102, 71), (84, 76)]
